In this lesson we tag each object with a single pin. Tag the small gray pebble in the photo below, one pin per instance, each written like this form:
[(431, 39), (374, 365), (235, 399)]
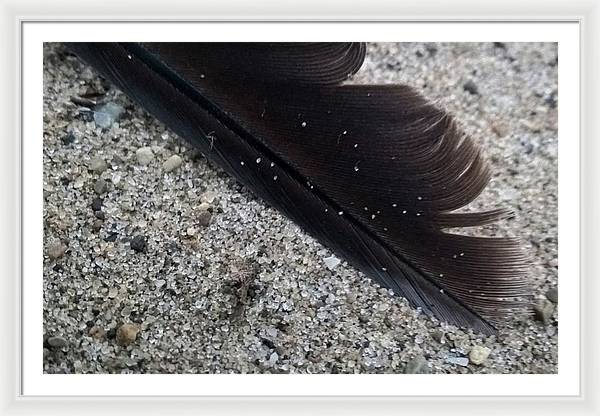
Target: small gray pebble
[(471, 87), (439, 336), (552, 295), (107, 114), (417, 365), (138, 243), (98, 165), (543, 310), (97, 225), (204, 218), (56, 251), (97, 332), (462, 361), (100, 186), (172, 163), (97, 204), (57, 342)]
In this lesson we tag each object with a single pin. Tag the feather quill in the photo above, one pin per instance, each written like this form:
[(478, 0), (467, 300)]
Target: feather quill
[(373, 171)]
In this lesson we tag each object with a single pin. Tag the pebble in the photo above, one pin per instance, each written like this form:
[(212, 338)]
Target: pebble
[(204, 218), (126, 334), (97, 332), (331, 262), (552, 295), (100, 186), (439, 336), (138, 243), (543, 310), (273, 358), (479, 354), (56, 251), (57, 342), (500, 128), (208, 197), (462, 361), (172, 163), (97, 204), (97, 225), (106, 115), (417, 365), (160, 283), (204, 206), (144, 155), (471, 87), (97, 165), (531, 125), (68, 138)]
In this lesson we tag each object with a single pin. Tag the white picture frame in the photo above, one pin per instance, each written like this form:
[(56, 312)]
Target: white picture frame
[(15, 13)]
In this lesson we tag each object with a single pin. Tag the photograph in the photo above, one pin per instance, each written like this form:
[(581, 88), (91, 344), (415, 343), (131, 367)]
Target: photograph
[(300, 208)]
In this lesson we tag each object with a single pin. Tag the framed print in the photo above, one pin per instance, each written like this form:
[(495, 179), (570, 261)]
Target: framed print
[(221, 210)]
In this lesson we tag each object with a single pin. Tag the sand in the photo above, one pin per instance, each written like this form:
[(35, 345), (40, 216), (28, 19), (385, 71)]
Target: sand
[(212, 280)]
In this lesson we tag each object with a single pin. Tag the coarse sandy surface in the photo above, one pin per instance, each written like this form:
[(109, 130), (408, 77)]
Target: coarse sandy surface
[(221, 282)]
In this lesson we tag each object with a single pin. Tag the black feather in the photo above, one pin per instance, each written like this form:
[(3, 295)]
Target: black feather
[(372, 171)]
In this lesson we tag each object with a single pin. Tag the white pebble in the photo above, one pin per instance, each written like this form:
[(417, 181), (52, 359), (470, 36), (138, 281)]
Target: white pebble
[(331, 262), (144, 155), (172, 163), (479, 354)]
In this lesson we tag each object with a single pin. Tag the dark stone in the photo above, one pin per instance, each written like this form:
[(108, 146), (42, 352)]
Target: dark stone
[(500, 45), (431, 48), (419, 54), (112, 333), (100, 215), (551, 101), (68, 138), (97, 204), (204, 218), (471, 87), (138, 243), (552, 295), (112, 237), (268, 343)]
